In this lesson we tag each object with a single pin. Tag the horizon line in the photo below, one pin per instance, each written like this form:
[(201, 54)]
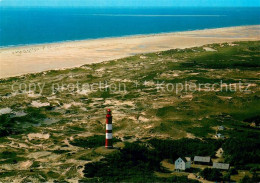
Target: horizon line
[(83, 6)]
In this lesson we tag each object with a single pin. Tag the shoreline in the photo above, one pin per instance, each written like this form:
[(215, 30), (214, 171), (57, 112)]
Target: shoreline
[(123, 36), (35, 58)]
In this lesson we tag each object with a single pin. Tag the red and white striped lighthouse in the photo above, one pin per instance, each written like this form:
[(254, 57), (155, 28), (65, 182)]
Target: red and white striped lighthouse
[(109, 143)]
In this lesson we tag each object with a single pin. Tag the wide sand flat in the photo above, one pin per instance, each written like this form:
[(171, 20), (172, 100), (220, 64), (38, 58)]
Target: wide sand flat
[(36, 58)]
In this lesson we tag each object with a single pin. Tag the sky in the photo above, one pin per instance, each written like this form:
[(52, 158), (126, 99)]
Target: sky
[(133, 3)]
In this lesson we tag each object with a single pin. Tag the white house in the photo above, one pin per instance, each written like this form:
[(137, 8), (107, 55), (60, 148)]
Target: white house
[(182, 163), (221, 128), (220, 136)]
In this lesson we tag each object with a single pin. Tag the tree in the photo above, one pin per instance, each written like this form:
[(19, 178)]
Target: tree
[(246, 179), (226, 177), (233, 171), (255, 177), (211, 174)]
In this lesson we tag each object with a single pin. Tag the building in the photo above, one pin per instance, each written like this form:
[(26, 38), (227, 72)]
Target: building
[(182, 163), (222, 166), (221, 128), (202, 159), (255, 124), (220, 136)]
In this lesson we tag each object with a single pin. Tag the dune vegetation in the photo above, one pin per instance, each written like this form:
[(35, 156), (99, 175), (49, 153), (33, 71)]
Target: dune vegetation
[(164, 105)]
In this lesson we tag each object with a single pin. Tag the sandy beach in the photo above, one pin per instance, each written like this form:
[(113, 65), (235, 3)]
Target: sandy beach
[(15, 61)]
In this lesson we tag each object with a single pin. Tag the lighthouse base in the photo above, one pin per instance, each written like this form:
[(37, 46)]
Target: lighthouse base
[(109, 147), (109, 144)]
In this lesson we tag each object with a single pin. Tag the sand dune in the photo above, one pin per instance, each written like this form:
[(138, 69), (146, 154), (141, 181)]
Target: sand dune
[(16, 61)]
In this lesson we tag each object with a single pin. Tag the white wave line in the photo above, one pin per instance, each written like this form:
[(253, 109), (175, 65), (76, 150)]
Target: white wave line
[(136, 15)]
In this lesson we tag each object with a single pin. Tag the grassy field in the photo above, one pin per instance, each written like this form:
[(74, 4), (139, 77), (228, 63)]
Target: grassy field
[(52, 123)]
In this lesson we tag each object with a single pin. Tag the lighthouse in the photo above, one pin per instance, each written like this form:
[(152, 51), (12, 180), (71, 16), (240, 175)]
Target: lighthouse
[(109, 143)]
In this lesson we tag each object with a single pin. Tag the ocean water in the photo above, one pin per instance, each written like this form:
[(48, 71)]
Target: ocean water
[(22, 26)]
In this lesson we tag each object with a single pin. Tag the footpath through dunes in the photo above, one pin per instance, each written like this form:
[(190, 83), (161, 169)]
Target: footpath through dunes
[(16, 61), (51, 134)]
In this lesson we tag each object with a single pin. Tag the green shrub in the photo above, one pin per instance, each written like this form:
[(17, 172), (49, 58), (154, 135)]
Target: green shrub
[(246, 179), (53, 174), (233, 171), (185, 147), (92, 141), (242, 150), (59, 151), (211, 174), (226, 176), (134, 163), (10, 157)]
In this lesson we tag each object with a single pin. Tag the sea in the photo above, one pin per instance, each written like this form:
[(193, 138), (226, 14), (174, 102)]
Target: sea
[(24, 26)]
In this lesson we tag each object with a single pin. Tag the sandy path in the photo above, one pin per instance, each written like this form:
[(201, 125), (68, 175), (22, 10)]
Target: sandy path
[(36, 58)]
